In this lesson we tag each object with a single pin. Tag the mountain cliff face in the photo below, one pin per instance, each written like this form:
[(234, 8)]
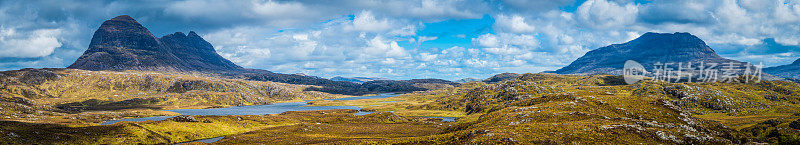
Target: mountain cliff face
[(788, 71), (122, 43), (647, 50), (196, 52)]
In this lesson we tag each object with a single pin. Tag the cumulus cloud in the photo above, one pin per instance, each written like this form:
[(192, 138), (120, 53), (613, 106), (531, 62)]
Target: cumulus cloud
[(378, 46), (26, 45), (487, 40), (607, 14), (515, 24), (365, 21)]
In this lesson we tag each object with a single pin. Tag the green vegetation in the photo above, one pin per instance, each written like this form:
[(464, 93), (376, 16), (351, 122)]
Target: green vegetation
[(48, 95), (190, 128), (562, 109), (531, 108)]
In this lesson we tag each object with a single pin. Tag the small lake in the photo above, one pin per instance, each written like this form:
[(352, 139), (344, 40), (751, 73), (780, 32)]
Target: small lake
[(445, 119), (276, 108)]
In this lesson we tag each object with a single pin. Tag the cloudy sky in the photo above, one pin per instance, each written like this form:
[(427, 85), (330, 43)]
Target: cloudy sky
[(405, 39)]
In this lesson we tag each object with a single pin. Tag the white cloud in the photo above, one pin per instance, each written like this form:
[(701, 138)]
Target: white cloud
[(487, 40), (441, 8), (37, 43), (285, 14), (504, 39), (417, 42), (604, 14), (515, 24), (377, 46), (505, 50), (427, 56), (366, 21)]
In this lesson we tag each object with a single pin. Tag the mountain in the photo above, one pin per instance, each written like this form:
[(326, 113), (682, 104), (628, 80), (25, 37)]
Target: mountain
[(501, 77), (467, 80), (647, 50), (788, 71), (121, 43), (357, 79), (196, 52)]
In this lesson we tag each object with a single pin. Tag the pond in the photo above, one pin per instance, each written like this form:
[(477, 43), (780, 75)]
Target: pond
[(276, 108)]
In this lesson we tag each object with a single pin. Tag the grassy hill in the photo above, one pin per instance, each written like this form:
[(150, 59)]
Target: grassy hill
[(533, 108), (563, 109), (93, 96)]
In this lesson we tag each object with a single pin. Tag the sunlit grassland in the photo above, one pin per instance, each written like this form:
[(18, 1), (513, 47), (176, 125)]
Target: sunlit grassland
[(557, 109), (532, 109), (423, 103), (53, 95), (174, 131)]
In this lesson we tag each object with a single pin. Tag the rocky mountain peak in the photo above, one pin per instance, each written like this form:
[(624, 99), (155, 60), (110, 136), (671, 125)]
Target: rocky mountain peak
[(193, 34), (123, 18), (647, 49), (121, 43)]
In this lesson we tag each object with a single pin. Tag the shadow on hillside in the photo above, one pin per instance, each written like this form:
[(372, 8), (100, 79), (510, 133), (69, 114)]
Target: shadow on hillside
[(612, 81), (101, 105)]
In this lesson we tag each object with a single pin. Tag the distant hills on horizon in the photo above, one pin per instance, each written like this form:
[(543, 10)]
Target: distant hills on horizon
[(357, 79), (788, 71)]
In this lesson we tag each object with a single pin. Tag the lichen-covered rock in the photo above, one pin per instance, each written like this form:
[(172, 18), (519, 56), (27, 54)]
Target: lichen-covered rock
[(184, 118)]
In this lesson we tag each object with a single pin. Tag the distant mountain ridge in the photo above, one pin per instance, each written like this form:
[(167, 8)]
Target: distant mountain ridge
[(357, 79), (501, 77), (647, 50), (121, 43), (467, 80), (788, 71)]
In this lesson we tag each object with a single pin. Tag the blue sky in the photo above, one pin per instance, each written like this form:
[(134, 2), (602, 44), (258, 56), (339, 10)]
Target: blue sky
[(449, 39)]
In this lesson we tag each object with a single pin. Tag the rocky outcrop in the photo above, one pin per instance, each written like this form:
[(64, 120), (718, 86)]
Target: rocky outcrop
[(502, 77)]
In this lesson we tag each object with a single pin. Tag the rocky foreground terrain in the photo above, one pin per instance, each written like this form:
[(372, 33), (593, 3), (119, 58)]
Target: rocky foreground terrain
[(532, 108)]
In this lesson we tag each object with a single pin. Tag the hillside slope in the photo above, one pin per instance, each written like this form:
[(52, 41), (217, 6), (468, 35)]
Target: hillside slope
[(35, 94), (787, 71), (601, 109)]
